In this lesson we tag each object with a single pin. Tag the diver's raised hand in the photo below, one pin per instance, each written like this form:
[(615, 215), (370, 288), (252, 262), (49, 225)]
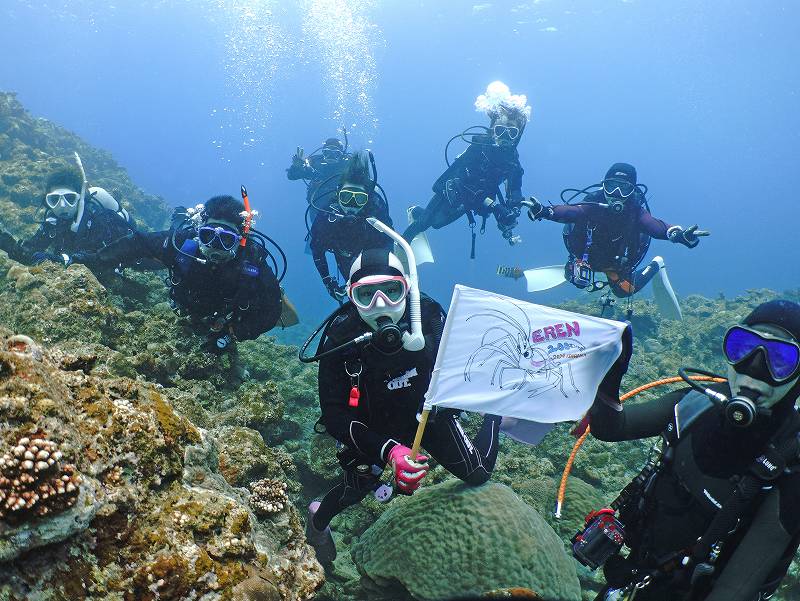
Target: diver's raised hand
[(299, 158), (689, 237)]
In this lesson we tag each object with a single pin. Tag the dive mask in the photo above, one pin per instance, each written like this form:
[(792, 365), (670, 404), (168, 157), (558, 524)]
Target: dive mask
[(69, 198), (352, 198), (782, 357), (332, 154), (618, 188), (505, 132), (218, 237), (366, 292)]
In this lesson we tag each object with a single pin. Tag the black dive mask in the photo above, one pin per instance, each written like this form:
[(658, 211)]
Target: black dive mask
[(388, 337)]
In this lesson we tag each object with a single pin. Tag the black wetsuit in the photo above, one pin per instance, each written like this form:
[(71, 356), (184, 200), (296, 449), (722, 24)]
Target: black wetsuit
[(98, 228), (322, 179), (703, 464), (475, 175), (245, 289), (392, 390), (346, 236), (618, 241)]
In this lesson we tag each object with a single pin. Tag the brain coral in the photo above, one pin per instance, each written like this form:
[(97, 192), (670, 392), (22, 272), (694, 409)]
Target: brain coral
[(451, 540)]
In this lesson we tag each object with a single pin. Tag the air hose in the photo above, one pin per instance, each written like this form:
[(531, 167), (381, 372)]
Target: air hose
[(562, 488)]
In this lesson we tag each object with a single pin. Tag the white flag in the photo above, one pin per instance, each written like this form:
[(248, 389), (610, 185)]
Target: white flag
[(512, 358)]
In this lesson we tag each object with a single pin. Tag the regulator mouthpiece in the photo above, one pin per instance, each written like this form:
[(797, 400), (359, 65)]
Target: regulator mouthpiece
[(741, 411), (388, 338)]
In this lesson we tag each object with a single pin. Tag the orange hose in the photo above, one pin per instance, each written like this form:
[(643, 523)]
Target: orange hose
[(562, 487)]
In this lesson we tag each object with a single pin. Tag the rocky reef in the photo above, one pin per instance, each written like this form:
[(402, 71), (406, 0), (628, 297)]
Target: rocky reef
[(135, 466)]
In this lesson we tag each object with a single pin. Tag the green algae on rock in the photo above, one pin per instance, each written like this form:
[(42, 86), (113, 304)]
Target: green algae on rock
[(453, 540)]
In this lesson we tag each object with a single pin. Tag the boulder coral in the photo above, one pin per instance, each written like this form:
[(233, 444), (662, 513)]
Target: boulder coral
[(451, 540)]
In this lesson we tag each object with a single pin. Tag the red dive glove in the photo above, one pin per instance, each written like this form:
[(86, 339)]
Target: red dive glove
[(408, 474)]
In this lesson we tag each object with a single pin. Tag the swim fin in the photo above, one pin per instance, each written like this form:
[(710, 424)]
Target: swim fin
[(420, 244), (289, 316), (538, 278), (663, 294)]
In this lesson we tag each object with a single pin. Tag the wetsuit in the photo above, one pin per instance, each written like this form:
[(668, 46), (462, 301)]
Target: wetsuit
[(704, 460), (475, 175), (346, 236), (245, 290), (322, 179), (98, 228), (618, 241), (392, 389)]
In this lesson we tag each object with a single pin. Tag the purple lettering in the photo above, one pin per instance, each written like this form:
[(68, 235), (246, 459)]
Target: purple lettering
[(560, 330), (549, 332), (536, 336), (574, 329)]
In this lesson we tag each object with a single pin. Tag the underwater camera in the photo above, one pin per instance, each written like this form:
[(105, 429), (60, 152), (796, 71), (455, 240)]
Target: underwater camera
[(602, 538), (579, 273)]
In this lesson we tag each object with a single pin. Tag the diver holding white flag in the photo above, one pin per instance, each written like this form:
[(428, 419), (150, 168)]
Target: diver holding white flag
[(531, 363), (376, 356), (609, 232)]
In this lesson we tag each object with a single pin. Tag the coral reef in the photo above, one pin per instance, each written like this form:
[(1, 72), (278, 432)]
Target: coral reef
[(496, 541), (268, 496), (33, 483)]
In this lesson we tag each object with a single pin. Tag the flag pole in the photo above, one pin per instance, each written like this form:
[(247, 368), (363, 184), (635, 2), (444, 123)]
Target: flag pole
[(430, 393), (423, 421)]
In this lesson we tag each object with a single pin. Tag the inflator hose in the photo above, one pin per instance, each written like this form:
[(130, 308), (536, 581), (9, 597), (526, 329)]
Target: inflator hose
[(562, 487)]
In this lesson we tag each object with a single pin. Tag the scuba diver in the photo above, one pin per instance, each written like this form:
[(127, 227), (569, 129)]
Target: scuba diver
[(714, 514), (340, 226), (471, 184), (77, 219), (320, 170), (372, 381), (610, 232), (221, 274)]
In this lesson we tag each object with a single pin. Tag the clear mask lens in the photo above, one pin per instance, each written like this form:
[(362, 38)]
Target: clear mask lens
[(53, 199), (393, 291), (352, 198), (618, 188), (331, 154), (503, 131)]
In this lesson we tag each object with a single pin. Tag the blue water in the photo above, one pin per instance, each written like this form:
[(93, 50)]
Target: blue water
[(197, 97)]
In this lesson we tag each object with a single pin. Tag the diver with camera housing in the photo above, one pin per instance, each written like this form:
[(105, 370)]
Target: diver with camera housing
[(713, 515), (609, 232)]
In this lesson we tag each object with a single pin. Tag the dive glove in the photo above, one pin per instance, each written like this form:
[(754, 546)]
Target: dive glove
[(535, 208), (407, 473), (689, 237)]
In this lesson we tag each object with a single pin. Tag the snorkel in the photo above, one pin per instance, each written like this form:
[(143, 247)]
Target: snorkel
[(413, 340), (81, 204)]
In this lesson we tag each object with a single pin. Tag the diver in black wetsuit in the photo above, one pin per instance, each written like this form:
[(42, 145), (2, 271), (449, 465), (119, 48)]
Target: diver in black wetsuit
[(77, 219), (370, 396), (340, 227), (321, 172), (228, 291), (719, 520), (471, 185), (610, 232)]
